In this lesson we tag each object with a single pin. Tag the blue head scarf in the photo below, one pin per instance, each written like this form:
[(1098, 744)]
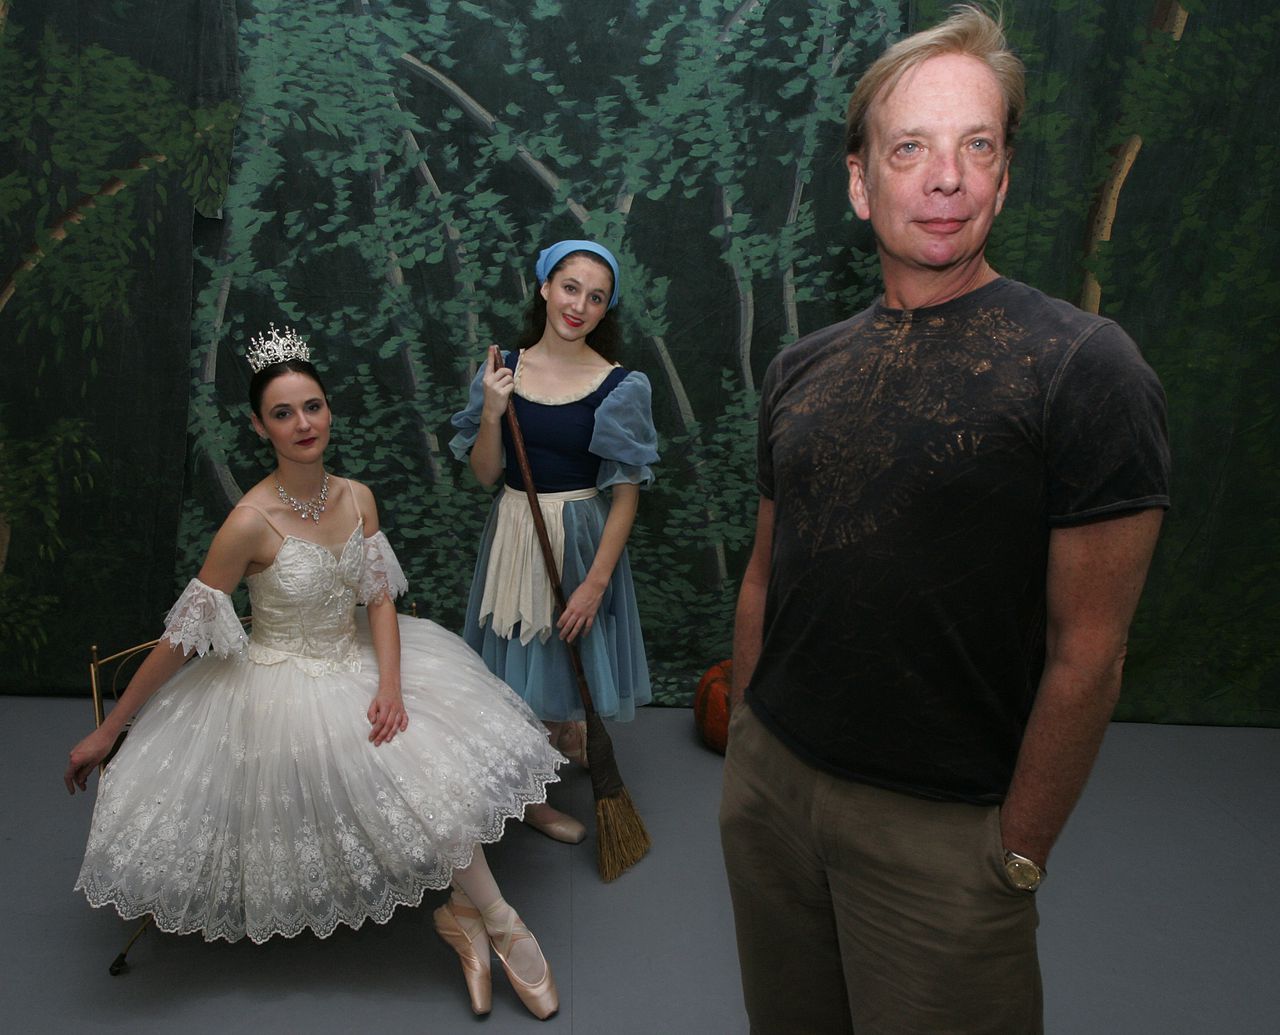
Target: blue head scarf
[(550, 256)]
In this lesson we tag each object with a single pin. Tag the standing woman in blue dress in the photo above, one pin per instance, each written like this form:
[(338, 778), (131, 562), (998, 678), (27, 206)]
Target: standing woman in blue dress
[(588, 428)]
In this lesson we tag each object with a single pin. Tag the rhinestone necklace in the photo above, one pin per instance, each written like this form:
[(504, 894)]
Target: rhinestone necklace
[(311, 508)]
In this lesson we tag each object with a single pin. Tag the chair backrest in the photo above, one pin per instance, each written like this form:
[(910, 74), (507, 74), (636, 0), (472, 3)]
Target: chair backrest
[(111, 674)]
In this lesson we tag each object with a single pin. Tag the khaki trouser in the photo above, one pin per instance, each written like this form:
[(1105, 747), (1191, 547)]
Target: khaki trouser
[(861, 909)]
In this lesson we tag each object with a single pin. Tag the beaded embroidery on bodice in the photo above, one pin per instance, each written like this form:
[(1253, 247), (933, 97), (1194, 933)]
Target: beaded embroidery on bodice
[(304, 605)]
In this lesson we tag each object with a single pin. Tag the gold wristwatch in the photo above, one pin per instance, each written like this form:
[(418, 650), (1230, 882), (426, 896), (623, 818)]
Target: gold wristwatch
[(1024, 873)]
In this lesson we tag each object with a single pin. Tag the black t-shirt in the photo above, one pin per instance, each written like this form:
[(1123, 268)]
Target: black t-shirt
[(917, 461)]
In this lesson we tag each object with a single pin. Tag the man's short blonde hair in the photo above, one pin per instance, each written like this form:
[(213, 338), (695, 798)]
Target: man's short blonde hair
[(969, 31)]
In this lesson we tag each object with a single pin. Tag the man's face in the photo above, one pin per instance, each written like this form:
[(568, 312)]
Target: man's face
[(934, 170)]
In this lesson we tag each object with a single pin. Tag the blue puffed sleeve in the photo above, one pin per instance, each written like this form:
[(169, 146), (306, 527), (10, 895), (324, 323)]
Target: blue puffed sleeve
[(624, 436), (467, 420)]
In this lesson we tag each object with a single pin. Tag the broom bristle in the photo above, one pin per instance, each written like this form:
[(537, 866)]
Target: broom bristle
[(621, 839)]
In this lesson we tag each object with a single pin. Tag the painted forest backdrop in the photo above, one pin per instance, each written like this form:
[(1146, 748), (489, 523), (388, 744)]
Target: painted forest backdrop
[(379, 173)]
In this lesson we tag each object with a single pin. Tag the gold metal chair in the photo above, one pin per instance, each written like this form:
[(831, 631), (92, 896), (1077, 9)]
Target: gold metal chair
[(111, 674)]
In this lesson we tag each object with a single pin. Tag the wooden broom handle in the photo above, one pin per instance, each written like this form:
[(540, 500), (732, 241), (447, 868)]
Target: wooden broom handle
[(544, 541)]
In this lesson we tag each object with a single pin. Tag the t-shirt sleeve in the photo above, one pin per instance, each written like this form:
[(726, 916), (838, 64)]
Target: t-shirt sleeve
[(467, 420), (624, 436), (1106, 436)]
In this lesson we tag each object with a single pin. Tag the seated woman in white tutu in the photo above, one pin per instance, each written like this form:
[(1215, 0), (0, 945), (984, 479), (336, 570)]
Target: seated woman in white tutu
[(330, 767)]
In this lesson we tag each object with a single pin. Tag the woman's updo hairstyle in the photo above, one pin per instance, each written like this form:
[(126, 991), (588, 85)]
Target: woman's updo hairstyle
[(258, 383)]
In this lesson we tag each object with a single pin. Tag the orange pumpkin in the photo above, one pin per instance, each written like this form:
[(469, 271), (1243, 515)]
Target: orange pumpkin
[(711, 706)]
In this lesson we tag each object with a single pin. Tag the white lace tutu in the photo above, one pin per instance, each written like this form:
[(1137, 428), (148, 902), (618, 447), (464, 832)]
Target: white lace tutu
[(248, 800)]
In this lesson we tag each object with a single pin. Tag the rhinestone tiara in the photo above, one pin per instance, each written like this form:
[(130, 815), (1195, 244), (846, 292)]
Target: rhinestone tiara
[(276, 348)]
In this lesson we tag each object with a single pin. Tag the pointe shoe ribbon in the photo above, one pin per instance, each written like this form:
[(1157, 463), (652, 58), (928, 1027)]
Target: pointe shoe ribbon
[(572, 743), (539, 997), (461, 928)]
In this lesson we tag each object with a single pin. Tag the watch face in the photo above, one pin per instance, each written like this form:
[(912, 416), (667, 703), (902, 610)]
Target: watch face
[(1023, 873)]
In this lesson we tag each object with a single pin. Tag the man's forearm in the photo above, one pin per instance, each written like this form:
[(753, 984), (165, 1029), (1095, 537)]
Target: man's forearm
[(1064, 732), (748, 634), (748, 619), (1094, 578)]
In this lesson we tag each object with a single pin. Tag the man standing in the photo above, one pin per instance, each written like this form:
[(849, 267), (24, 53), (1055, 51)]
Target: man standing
[(961, 489)]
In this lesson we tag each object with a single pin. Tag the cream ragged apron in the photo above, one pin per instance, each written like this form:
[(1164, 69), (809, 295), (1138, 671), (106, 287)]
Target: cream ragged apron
[(516, 587)]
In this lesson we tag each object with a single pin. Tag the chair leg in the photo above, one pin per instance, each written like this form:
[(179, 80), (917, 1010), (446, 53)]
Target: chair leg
[(120, 965)]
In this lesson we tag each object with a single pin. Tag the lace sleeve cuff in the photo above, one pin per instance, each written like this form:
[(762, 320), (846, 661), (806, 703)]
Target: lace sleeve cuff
[(203, 620), (382, 575)]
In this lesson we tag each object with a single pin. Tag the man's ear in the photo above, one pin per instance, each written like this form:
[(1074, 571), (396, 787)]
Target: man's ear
[(858, 186)]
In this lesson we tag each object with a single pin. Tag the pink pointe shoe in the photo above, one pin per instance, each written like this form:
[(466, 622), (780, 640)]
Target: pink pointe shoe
[(555, 824), (462, 930), (539, 997)]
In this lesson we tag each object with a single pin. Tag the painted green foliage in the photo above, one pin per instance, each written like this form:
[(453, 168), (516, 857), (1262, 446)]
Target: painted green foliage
[(36, 475), (397, 169), (1194, 280), (99, 139), (397, 165), (97, 152)]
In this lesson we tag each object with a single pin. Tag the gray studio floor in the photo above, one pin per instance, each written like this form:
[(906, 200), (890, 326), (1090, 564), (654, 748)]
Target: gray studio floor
[(1161, 914)]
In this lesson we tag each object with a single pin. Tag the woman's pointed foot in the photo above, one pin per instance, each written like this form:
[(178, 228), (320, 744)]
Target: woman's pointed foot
[(555, 824), (464, 931), (521, 957)]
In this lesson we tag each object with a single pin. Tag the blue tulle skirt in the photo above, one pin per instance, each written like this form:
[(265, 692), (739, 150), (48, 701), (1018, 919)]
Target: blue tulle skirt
[(612, 652)]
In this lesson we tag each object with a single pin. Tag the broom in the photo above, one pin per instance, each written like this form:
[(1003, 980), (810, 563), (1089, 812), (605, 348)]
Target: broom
[(621, 839)]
